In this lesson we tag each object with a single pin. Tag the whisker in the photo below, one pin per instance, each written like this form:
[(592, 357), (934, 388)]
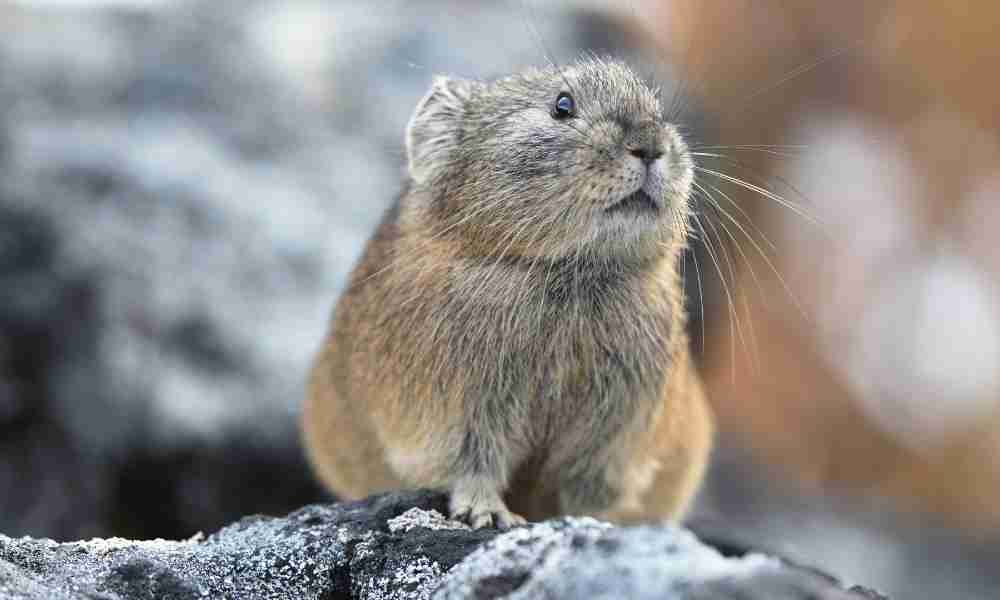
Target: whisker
[(764, 255), (795, 208), (762, 180), (778, 147), (777, 153), (732, 275), (701, 296), (743, 212), (798, 71), (719, 210), (755, 365), (733, 323)]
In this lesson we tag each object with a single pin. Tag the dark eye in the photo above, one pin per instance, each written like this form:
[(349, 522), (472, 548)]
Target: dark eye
[(565, 106)]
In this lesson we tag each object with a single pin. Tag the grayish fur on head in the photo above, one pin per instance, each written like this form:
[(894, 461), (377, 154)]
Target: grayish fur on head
[(493, 154)]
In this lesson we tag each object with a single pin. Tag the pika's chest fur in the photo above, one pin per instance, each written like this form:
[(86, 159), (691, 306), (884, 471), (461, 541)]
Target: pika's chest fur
[(533, 347)]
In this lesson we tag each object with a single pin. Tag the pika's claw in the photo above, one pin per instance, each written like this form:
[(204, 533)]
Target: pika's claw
[(501, 519), (481, 520), (507, 519), (481, 506)]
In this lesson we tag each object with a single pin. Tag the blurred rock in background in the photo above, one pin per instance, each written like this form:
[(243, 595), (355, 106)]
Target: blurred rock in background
[(183, 188), (185, 185)]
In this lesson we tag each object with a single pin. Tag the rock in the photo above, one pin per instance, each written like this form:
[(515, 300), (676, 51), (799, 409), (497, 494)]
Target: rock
[(398, 546)]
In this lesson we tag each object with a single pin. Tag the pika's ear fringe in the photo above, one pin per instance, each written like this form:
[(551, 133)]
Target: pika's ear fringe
[(430, 134)]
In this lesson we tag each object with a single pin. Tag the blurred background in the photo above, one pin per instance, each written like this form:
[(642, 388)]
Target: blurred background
[(185, 185)]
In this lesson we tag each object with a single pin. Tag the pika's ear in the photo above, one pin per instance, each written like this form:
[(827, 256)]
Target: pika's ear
[(432, 129)]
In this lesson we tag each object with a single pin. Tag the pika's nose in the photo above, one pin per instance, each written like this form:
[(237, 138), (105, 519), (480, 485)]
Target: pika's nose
[(643, 141), (647, 154)]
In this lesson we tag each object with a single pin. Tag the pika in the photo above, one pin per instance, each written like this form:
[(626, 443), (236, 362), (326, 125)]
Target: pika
[(514, 332)]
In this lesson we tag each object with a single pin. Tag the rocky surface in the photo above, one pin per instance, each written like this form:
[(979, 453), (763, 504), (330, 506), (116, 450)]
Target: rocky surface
[(398, 546)]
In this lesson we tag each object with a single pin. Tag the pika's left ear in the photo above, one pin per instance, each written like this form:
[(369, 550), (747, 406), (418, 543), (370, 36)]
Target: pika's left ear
[(431, 134)]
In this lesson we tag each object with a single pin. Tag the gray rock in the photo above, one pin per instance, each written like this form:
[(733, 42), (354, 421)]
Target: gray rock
[(398, 546)]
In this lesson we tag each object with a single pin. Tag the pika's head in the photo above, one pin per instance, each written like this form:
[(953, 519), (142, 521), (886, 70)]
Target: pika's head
[(552, 162)]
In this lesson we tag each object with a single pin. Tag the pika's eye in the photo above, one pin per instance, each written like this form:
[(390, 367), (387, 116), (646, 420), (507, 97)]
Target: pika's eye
[(565, 106)]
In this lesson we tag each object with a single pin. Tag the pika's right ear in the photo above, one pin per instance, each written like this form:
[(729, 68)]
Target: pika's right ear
[(432, 129)]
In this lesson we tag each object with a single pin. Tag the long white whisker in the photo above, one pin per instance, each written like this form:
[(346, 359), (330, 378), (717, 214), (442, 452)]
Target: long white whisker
[(800, 70), (762, 180), (755, 354), (733, 323), (733, 278), (701, 297), (765, 193), (767, 259), (702, 152)]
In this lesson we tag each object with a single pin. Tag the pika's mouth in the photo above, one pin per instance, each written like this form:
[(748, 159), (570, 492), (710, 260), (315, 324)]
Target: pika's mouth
[(637, 202)]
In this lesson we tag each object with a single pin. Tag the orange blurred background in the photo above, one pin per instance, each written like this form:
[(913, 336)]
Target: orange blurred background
[(885, 116)]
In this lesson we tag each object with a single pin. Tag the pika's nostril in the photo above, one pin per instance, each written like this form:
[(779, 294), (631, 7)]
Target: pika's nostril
[(646, 154)]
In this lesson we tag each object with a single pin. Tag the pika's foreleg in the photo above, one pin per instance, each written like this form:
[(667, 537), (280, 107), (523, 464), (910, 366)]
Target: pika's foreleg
[(483, 465)]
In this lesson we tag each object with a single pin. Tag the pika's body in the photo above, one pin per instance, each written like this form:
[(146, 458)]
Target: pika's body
[(515, 330)]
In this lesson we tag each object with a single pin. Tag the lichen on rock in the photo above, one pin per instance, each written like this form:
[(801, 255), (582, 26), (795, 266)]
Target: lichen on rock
[(399, 546)]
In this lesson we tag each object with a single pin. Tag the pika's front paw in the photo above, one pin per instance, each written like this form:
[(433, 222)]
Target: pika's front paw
[(481, 507), (479, 517)]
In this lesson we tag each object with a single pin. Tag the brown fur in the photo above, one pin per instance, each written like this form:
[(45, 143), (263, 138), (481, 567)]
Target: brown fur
[(507, 336)]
